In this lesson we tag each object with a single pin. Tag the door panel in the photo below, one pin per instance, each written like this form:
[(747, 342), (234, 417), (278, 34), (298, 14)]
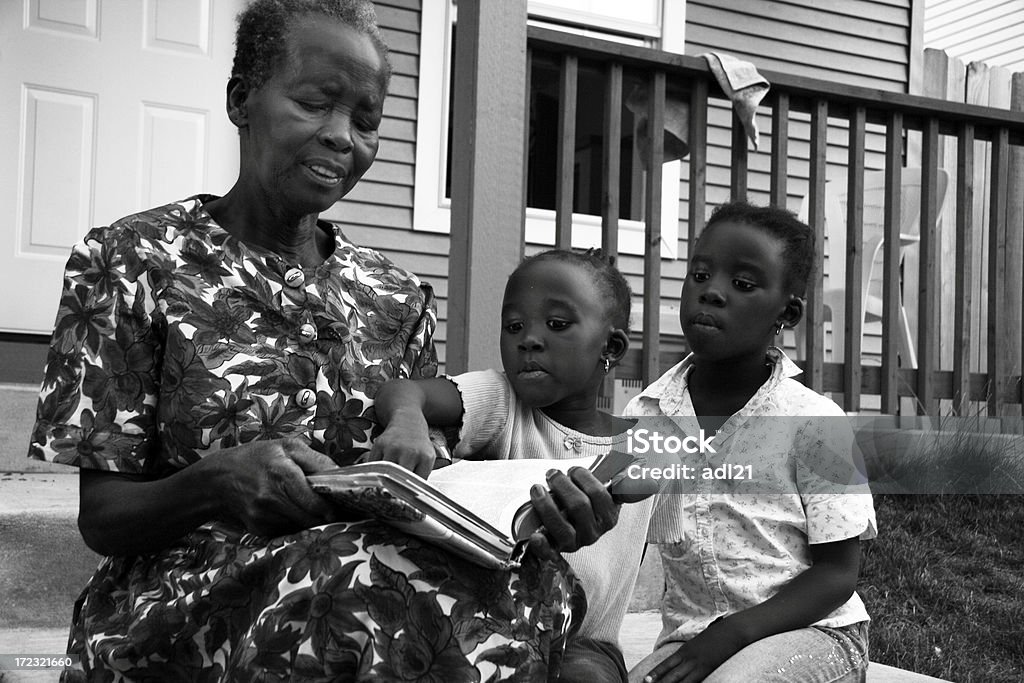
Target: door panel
[(107, 107)]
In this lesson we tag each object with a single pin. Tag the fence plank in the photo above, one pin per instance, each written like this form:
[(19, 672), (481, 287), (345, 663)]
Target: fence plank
[(566, 157)]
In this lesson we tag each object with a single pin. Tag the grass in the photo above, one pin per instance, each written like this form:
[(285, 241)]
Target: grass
[(944, 580), (944, 583)]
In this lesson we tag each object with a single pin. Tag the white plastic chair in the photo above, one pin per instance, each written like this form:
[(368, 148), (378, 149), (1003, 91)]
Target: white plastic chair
[(834, 294)]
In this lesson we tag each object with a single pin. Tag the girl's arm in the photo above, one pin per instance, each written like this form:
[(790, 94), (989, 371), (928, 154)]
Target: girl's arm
[(260, 485), (810, 596), (405, 408)]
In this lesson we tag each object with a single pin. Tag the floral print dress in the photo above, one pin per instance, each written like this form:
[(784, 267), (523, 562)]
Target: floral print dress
[(174, 339)]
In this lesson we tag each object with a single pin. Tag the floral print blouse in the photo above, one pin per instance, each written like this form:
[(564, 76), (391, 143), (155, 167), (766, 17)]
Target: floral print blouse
[(174, 339)]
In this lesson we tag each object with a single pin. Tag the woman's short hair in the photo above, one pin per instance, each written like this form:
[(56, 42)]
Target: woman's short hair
[(606, 276), (796, 236), (261, 38)]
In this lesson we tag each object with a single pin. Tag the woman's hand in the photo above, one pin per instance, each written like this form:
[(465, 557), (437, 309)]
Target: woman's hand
[(406, 441), (264, 487), (261, 485), (576, 510)]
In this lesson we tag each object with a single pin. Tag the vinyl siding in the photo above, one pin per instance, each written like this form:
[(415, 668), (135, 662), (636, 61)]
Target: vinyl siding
[(990, 31)]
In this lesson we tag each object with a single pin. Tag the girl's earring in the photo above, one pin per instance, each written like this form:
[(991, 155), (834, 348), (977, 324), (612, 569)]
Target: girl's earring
[(778, 328), (607, 365)]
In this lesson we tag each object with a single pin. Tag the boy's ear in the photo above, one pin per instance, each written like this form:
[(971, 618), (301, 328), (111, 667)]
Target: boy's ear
[(616, 345), (237, 101), (794, 311)]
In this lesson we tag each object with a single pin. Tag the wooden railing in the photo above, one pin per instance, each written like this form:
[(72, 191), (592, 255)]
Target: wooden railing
[(864, 113)]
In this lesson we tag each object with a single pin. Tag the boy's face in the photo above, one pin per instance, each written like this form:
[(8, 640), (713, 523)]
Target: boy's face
[(734, 294), (554, 326)]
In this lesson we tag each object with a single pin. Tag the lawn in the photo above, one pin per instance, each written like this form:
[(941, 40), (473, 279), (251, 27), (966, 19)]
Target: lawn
[(944, 583)]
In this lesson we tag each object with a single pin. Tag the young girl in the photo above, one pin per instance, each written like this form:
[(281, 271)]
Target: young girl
[(564, 319), (757, 586)]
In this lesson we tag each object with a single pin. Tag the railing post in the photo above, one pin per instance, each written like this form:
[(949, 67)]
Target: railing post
[(813, 371), (487, 209), (927, 283), (566, 153), (963, 275), (852, 373), (891, 262), (651, 368)]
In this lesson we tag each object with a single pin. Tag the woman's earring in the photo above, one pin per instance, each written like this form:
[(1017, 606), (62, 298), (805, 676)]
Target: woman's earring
[(779, 327), (607, 365)]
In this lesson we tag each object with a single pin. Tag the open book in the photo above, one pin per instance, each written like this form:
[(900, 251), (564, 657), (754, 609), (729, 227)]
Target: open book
[(479, 510)]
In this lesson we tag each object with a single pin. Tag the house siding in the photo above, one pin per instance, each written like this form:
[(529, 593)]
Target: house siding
[(990, 31)]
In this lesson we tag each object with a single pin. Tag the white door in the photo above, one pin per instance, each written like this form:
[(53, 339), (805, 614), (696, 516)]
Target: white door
[(107, 107)]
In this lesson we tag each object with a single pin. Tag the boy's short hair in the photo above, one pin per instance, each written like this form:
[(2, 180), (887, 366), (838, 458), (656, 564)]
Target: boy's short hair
[(796, 236), (609, 280)]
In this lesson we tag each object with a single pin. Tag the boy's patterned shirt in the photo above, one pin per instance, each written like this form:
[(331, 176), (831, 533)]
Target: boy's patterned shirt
[(730, 545)]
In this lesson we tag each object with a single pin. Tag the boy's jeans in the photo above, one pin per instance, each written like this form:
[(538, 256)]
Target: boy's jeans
[(816, 654)]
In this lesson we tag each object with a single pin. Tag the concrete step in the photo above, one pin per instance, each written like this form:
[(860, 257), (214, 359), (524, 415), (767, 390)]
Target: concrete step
[(43, 561)]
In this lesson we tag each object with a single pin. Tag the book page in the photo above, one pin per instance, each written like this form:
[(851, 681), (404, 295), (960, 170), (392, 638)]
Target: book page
[(495, 489)]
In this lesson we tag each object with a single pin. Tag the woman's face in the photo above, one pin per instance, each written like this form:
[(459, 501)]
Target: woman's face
[(310, 130)]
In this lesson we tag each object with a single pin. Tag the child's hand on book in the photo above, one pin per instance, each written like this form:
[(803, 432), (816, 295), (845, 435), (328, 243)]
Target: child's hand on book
[(406, 442), (576, 510)]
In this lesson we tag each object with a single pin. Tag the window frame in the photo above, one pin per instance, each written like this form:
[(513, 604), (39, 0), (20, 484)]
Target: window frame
[(432, 210)]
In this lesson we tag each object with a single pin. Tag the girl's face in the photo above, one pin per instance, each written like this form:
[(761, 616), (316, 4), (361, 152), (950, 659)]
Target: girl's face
[(554, 330), (734, 294), (312, 126)]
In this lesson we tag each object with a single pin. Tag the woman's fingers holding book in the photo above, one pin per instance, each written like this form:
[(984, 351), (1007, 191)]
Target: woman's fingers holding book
[(266, 488)]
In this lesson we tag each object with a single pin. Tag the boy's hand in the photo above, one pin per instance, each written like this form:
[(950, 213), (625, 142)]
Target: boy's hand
[(697, 658), (406, 442)]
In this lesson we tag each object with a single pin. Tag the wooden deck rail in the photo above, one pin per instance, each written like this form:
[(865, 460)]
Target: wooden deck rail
[(858, 110)]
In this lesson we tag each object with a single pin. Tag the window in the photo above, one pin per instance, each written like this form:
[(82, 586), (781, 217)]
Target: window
[(639, 25)]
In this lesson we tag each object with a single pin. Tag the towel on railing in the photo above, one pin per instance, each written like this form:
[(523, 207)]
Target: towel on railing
[(739, 80), (743, 85)]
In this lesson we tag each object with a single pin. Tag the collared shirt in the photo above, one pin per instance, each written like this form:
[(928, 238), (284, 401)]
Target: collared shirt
[(728, 545)]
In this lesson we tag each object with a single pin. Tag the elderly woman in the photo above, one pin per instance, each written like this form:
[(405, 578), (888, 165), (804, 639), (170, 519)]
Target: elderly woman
[(210, 353)]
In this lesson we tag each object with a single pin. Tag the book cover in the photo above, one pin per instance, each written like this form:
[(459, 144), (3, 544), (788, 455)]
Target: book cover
[(479, 510)]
